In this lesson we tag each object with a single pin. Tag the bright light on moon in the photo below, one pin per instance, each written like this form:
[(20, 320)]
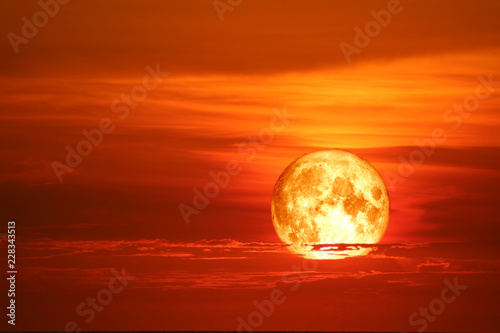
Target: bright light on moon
[(330, 197)]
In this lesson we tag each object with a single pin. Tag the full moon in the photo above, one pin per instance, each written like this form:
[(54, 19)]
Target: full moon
[(330, 197)]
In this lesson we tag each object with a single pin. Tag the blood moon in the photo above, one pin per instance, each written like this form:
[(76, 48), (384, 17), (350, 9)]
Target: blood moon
[(330, 197)]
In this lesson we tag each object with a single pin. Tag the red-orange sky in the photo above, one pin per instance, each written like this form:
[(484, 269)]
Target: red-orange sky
[(120, 206)]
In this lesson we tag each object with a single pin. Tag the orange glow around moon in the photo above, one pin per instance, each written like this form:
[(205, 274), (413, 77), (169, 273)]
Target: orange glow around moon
[(330, 197)]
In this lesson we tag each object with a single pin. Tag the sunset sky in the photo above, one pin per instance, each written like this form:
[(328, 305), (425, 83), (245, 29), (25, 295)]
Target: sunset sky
[(227, 79)]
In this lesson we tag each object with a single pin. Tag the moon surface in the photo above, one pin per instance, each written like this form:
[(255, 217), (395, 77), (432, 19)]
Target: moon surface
[(330, 197)]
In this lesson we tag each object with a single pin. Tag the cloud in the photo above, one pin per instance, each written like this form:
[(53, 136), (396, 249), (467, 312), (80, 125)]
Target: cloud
[(308, 36), (451, 156), (199, 250), (258, 265), (433, 266)]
